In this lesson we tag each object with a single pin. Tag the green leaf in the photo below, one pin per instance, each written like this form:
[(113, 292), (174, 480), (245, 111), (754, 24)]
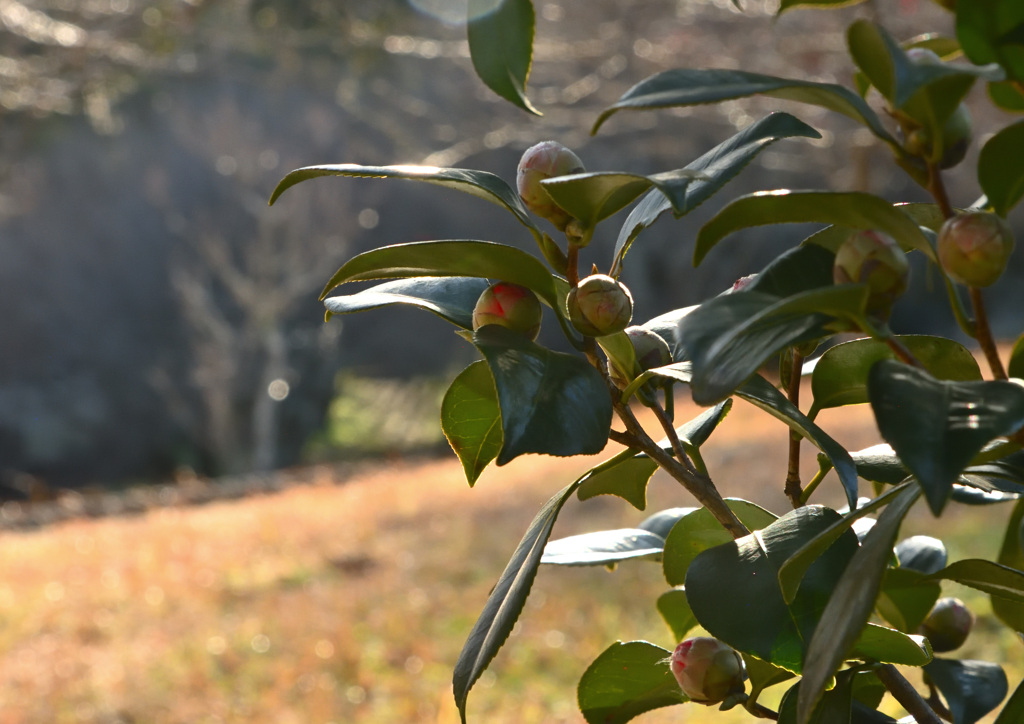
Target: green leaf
[(451, 298), (551, 403), (471, 419), (890, 646), (791, 573), (675, 609), (506, 600), (1007, 95), (1011, 554), (604, 548), (853, 210), (662, 522), (697, 531), (457, 258), (928, 216), (482, 184), (1016, 366), (906, 598), (716, 168), (763, 675), (627, 680), (734, 591), (921, 554), (971, 688), (992, 31), (785, 5), (841, 374), (995, 579), (937, 427), (852, 599), (1013, 712), (880, 464), (688, 87), (501, 46), (796, 270), (1001, 168)]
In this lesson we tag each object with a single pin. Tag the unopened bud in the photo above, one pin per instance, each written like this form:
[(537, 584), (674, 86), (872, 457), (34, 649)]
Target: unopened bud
[(947, 625), (509, 305), (545, 160), (956, 135), (974, 248), (708, 671), (873, 258), (650, 351), (599, 305)]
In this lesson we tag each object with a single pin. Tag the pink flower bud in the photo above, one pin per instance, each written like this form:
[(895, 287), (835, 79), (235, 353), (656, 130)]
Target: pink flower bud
[(873, 258), (599, 305), (708, 671), (545, 160), (947, 625), (509, 305), (975, 247)]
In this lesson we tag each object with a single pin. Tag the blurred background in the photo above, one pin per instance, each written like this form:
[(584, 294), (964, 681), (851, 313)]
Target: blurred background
[(160, 324)]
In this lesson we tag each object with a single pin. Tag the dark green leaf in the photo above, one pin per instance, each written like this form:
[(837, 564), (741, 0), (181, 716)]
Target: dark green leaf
[(501, 47), (880, 464), (604, 548), (1016, 366), (506, 601), (688, 87), (471, 419), (451, 298), (627, 680), (551, 403), (697, 531), (625, 475), (1011, 554), (450, 259), (796, 270), (992, 31), (834, 707), (666, 326), (971, 688), (763, 675), (1007, 95), (995, 579), (675, 609), (906, 599), (927, 216), (851, 602), (1013, 712), (937, 427), (891, 646), (759, 621), (853, 210), (717, 167), (841, 374), (481, 184), (1001, 168), (662, 522), (922, 553)]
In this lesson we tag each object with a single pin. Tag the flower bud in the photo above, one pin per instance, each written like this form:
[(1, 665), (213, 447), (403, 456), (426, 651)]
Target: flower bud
[(708, 671), (599, 305), (947, 625), (873, 258), (974, 248), (957, 132), (545, 160), (650, 350), (509, 305)]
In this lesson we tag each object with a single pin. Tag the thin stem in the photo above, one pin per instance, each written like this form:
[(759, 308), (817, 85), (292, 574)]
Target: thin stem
[(936, 703), (884, 334), (793, 490), (983, 333), (906, 695), (813, 485), (938, 190), (761, 712), (572, 272), (673, 438)]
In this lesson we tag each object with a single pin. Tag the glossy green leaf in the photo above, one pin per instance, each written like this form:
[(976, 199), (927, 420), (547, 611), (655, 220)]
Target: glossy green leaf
[(880, 464), (626, 680), (1001, 168), (698, 531), (851, 602), (471, 419), (995, 579), (451, 298), (500, 36), (675, 609), (1013, 712), (604, 548), (716, 168), (759, 621), (1016, 365), (891, 646), (992, 31), (1007, 95), (763, 674), (688, 87), (971, 688), (906, 599), (922, 554), (841, 374), (834, 707), (791, 573), (796, 270), (666, 326), (506, 600), (927, 216), (662, 522), (1011, 554), (937, 427), (482, 184), (551, 403), (853, 210), (455, 258)]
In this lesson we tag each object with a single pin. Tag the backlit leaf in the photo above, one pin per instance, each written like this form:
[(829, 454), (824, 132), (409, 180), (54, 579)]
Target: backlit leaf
[(471, 419), (500, 36), (626, 680)]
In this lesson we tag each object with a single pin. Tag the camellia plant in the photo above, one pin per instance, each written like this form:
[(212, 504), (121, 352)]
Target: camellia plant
[(824, 602)]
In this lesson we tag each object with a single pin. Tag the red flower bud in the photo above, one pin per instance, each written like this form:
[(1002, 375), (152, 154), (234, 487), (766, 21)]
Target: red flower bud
[(509, 305), (708, 671), (545, 160), (873, 258), (947, 625), (599, 305), (975, 247)]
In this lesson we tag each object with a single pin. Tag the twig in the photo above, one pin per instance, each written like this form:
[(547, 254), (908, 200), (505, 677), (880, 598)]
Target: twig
[(793, 489), (906, 695), (673, 438), (983, 333)]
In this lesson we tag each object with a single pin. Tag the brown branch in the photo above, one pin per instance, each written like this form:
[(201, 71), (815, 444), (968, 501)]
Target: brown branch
[(673, 438), (906, 695), (793, 488), (983, 333)]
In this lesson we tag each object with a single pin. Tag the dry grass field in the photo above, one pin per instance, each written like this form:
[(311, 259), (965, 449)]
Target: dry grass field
[(348, 603)]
